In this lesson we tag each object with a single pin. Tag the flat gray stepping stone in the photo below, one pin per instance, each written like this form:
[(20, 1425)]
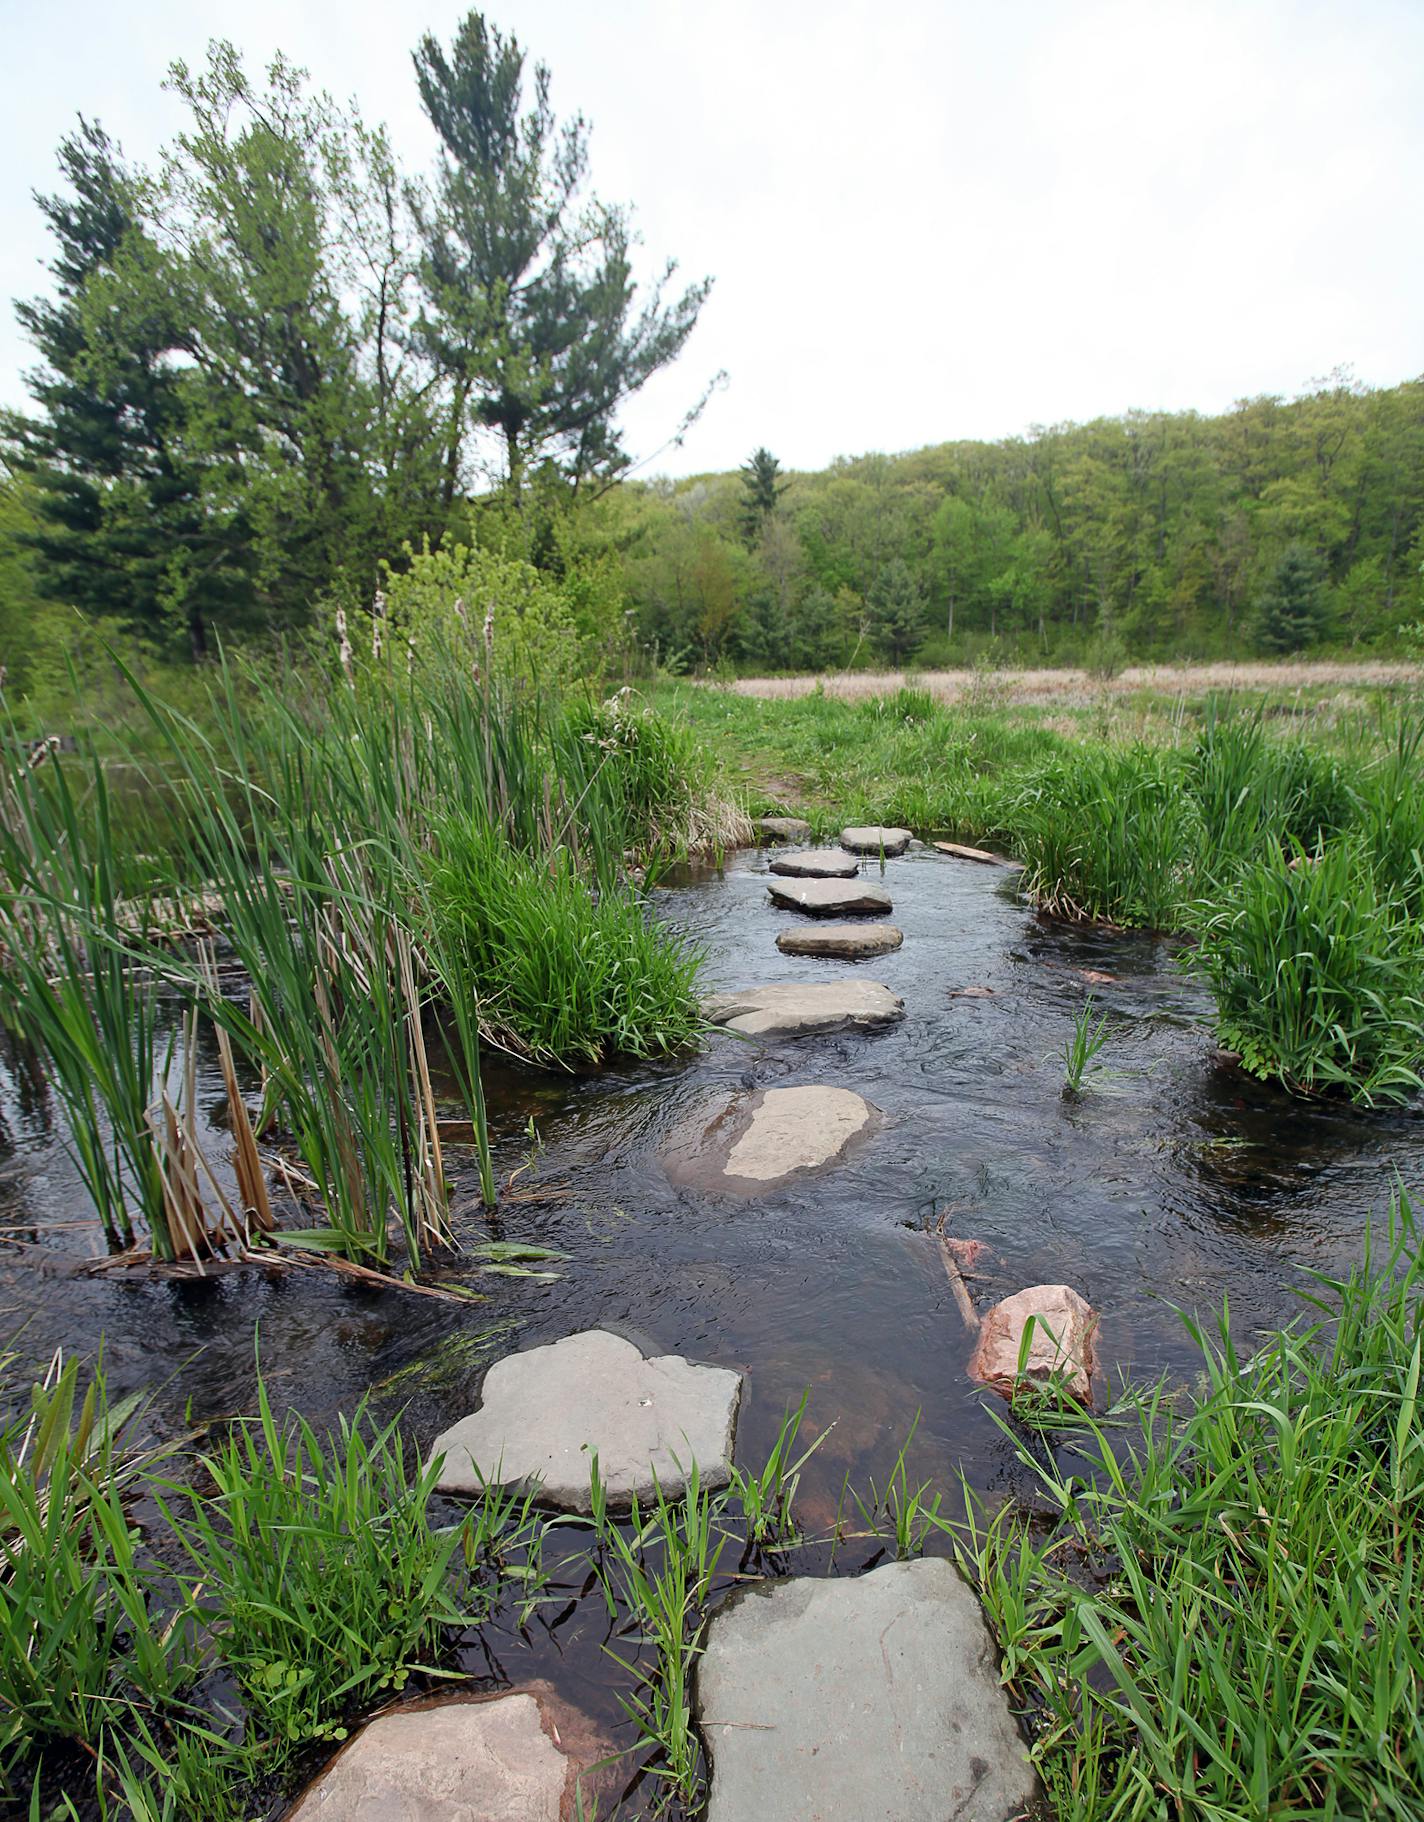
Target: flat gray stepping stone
[(876, 840), (748, 1144), (782, 828), (787, 1009), (543, 1412), (958, 850), (875, 1696), (817, 863), (517, 1758), (851, 942), (829, 897)]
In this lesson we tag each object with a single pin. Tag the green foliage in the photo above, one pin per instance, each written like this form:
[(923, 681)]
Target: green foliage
[(1290, 613), (529, 289), (1109, 833), (563, 972), (1318, 975), (1088, 1038), (316, 1566), (75, 1639), (1247, 1638), (485, 610)]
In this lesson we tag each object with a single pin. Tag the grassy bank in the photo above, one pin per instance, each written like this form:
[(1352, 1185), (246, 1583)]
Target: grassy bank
[(1215, 1613), (1285, 848)]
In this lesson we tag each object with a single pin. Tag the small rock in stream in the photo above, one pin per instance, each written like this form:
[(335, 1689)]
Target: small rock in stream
[(1060, 1348)]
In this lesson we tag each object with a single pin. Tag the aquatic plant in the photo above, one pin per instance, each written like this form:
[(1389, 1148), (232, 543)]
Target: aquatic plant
[(562, 971), (1088, 1038), (1108, 833), (1318, 975), (316, 1568), (1251, 1640), (76, 1641)]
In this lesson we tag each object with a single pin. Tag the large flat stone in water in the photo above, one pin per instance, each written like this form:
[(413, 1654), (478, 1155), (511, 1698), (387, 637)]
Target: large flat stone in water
[(748, 1144), (491, 1761), (543, 1413), (782, 828), (817, 863), (876, 840), (790, 1008), (829, 897), (850, 942), (866, 1699)]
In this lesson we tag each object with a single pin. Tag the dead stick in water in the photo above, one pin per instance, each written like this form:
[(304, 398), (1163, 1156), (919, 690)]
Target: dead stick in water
[(957, 1285)]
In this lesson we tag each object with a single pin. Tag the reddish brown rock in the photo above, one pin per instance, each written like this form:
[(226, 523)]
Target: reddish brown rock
[(1060, 1345)]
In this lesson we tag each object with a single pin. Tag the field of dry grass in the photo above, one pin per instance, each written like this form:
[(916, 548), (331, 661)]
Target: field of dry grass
[(1076, 688)]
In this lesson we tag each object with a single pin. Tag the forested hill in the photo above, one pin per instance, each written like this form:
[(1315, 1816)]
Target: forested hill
[(1280, 525)]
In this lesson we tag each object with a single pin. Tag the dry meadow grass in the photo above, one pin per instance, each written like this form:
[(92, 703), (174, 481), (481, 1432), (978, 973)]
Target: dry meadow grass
[(1078, 689)]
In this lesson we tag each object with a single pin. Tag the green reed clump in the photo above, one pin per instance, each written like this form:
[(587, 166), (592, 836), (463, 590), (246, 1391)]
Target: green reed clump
[(1109, 833), (1081, 1047), (1318, 975), (77, 1643), (1227, 1621), (1256, 793), (316, 1567), (564, 972), (73, 983)]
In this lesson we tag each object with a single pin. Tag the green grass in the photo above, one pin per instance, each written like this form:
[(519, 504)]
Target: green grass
[(564, 973), (1224, 1622)]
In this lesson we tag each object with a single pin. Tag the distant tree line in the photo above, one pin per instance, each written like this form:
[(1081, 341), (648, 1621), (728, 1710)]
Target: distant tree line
[(1280, 525), (276, 359)]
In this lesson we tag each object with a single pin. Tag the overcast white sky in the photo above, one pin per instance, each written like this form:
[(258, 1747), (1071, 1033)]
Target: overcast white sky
[(926, 221)]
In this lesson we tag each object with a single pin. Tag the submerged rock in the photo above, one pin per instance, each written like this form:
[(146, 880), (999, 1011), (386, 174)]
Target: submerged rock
[(875, 840), (544, 1412), (817, 863), (828, 897), (513, 1758), (1060, 1348), (787, 1009), (857, 1697), (851, 942), (782, 828), (747, 1144)]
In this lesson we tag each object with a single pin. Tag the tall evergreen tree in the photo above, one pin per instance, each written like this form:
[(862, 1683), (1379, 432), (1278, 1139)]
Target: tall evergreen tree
[(762, 487), (530, 297), (1290, 613)]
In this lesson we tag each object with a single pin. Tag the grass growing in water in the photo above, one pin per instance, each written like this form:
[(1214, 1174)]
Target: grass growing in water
[(1089, 1037), (564, 974), (1247, 1638)]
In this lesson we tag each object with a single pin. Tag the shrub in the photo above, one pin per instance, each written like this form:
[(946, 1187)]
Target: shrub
[(449, 596)]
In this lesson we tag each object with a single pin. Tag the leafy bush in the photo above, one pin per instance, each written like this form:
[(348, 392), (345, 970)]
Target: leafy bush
[(564, 972), (477, 603), (1318, 975)]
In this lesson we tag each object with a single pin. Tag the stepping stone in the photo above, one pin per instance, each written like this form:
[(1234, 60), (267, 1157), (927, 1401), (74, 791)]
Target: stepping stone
[(515, 1758), (857, 1697), (960, 852), (1060, 1348), (789, 1008), (828, 897), (747, 1144), (543, 1413), (782, 828), (817, 863), (876, 840), (851, 942)]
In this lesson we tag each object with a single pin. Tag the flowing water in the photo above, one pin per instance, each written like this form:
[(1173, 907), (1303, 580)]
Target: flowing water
[(1171, 1180)]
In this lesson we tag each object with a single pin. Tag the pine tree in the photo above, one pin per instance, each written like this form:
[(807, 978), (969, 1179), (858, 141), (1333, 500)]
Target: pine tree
[(762, 487), (530, 294), (1291, 612)]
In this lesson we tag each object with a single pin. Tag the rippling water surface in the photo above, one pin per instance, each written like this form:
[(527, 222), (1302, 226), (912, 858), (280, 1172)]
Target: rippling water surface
[(1171, 1181)]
